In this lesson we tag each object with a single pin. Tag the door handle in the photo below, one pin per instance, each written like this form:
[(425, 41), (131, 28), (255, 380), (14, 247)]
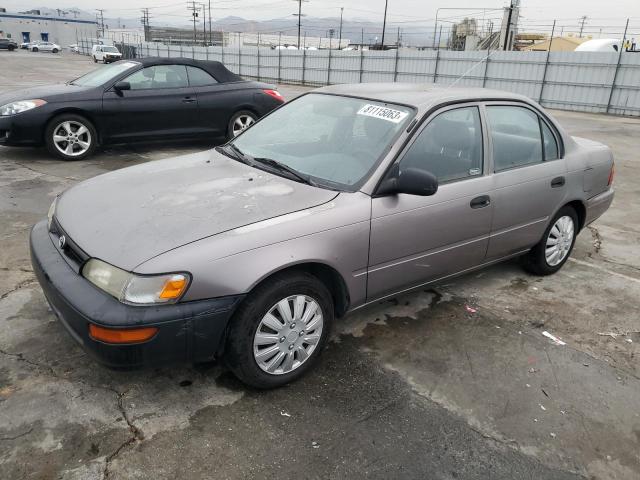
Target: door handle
[(481, 201), (188, 100), (557, 182)]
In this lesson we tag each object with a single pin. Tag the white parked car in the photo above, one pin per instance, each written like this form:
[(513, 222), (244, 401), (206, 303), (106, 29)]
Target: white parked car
[(45, 47), (105, 53)]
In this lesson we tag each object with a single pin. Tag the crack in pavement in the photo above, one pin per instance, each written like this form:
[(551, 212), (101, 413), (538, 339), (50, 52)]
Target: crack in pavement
[(46, 174), (15, 437), (136, 433), (19, 285)]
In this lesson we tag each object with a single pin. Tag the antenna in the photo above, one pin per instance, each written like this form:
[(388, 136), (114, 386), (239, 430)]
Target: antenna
[(484, 59)]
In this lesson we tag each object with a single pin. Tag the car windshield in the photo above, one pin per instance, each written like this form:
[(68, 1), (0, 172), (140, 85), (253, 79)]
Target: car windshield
[(336, 141), (103, 74), (110, 49)]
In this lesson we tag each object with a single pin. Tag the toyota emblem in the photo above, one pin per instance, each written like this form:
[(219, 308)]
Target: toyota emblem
[(62, 241)]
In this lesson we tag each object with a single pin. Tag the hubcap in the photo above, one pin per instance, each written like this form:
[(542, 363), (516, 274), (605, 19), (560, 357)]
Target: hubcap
[(72, 138), (242, 123), (288, 334), (559, 241)]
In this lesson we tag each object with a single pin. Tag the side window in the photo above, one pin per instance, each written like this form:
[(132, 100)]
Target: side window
[(515, 133), (159, 76), (450, 146), (199, 78), (549, 143)]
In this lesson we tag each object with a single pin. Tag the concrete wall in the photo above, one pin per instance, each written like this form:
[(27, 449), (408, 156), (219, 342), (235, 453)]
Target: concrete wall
[(62, 31)]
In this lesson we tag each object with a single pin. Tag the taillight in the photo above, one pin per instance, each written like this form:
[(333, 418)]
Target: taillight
[(611, 174), (274, 94)]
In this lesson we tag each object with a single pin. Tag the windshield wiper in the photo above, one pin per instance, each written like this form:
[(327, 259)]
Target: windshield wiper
[(230, 150), (286, 168)]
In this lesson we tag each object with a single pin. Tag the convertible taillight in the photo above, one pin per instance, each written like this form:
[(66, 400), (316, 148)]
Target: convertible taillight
[(275, 94), (611, 174)]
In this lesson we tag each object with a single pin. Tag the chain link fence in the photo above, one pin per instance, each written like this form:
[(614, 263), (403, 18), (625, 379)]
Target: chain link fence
[(595, 82)]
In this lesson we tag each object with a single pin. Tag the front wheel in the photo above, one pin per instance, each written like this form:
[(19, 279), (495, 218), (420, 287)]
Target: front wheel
[(240, 122), (34, 49), (95, 60), (71, 137), (55, 50), (278, 332), (553, 250)]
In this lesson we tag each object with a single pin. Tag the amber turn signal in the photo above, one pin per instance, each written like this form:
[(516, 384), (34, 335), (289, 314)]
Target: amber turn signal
[(121, 335), (174, 287)]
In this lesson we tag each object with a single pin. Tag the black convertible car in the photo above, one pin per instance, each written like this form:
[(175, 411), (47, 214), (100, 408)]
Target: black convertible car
[(135, 100)]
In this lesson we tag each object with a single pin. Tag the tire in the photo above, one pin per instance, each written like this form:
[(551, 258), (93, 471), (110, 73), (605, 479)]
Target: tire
[(55, 50), (242, 115), (537, 261), (95, 60), (11, 48), (58, 149), (34, 49), (247, 323)]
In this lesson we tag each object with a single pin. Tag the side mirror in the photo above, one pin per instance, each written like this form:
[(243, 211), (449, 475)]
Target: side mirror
[(412, 181), (120, 86)]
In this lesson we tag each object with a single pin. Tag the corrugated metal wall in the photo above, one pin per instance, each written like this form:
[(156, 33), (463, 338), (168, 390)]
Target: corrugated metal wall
[(580, 81)]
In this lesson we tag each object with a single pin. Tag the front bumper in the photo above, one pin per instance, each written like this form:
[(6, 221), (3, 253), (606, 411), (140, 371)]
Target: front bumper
[(190, 331), (23, 129)]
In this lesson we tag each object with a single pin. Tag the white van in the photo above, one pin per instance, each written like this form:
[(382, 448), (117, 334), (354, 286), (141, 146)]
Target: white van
[(105, 53)]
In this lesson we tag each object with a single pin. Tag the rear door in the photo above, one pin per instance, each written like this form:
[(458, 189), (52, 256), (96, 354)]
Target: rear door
[(529, 177), (417, 239), (160, 104)]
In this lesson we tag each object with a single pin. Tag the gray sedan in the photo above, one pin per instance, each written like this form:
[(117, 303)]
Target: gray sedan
[(342, 197)]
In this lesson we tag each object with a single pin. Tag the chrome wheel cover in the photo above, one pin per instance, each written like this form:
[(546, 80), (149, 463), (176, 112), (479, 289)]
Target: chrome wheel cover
[(242, 123), (559, 241), (288, 334), (71, 138)]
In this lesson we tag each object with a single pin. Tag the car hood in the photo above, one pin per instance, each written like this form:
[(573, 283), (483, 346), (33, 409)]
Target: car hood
[(46, 92), (131, 215)]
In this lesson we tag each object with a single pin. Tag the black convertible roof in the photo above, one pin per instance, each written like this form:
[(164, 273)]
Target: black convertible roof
[(221, 73)]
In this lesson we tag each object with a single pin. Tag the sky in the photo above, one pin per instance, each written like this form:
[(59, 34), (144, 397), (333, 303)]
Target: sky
[(536, 15)]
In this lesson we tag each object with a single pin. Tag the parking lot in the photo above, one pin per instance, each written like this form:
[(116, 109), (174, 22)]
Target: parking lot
[(453, 381)]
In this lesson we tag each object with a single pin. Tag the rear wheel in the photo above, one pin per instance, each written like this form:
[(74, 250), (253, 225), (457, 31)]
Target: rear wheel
[(278, 332), (55, 50), (240, 122), (34, 49), (553, 250), (71, 137)]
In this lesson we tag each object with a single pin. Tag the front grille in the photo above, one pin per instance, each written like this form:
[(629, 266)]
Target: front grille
[(71, 252)]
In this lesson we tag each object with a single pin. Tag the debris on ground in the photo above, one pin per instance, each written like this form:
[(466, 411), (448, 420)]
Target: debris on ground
[(284, 414), (542, 407), (553, 435), (315, 445), (470, 309), (556, 340)]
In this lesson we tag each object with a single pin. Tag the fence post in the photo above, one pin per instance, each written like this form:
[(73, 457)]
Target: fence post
[(206, 49), (239, 54), (258, 59), (361, 63), (435, 68), (395, 67), (181, 54), (615, 75), (486, 66), (546, 63), (158, 49), (279, 55), (329, 66), (304, 65)]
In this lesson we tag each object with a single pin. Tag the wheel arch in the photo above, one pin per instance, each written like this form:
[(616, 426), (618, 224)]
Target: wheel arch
[(328, 275), (580, 209)]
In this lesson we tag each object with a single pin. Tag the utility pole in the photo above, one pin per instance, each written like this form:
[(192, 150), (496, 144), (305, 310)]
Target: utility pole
[(204, 25), (340, 34), (384, 22), (145, 23), (507, 43), (194, 14), (210, 35), (299, 15), (100, 18), (582, 21)]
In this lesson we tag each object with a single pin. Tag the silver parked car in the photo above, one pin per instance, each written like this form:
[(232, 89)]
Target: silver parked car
[(340, 198)]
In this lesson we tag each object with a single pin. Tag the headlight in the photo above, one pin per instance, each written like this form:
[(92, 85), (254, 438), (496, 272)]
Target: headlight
[(51, 213), (20, 106), (136, 289)]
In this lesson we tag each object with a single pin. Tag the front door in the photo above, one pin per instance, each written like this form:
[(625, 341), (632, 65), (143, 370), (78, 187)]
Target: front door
[(417, 239), (160, 104), (529, 178)]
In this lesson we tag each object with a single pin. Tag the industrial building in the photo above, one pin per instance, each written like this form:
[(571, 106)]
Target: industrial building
[(32, 26)]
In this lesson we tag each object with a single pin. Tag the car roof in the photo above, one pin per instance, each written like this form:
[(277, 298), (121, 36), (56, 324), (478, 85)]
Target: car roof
[(419, 95), (216, 69)]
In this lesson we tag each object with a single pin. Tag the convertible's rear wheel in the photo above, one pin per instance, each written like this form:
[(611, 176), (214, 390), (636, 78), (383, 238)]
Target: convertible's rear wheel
[(240, 122), (278, 332), (553, 250), (71, 137)]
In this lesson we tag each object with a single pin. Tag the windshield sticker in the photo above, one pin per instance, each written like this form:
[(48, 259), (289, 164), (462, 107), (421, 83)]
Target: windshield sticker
[(384, 113)]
